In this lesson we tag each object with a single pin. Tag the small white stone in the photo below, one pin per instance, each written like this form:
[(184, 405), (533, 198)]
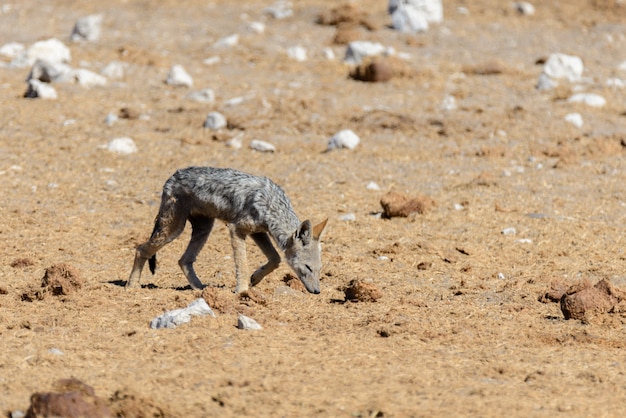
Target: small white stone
[(564, 66), (590, 99), (622, 66), (328, 53), (212, 60), (348, 217), (358, 50), (39, 89), (279, 10), (575, 119), (247, 323), (509, 231), (297, 53), (235, 142), (449, 103), (110, 119), (179, 77), (524, 8), (524, 241), (51, 50), (372, 186), (256, 27), (227, 42), (432, 10), (55, 351), (458, 206), (343, 139), (409, 19), (49, 72), (616, 82), (88, 78), (545, 82), (262, 146), (123, 145), (87, 28), (115, 70), (12, 49), (501, 276), (202, 96), (215, 121)]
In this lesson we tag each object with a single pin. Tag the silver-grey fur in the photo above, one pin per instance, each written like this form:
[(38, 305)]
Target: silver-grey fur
[(251, 205)]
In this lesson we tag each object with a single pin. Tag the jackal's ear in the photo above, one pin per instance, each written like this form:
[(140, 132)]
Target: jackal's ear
[(303, 233), (318, 229)]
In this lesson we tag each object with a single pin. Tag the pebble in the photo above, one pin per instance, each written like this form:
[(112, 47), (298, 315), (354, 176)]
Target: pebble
[(509, 231), (564, 66), (524, 8), (227, 42), (247, 323), (279, 10), (372, 186), (616, 82), (215, 121), (177, 76), (55, 351), (406, 18), (348, 217), (202, 96), (262, 146), (115, 70), (343, 139), (256, 27), (297, 53), (235, 142), (590, 99), (123, 145), (575, 119), (110, 119), (51, 50), (39, 89), (87, 78), (432, 10), (12, 50), (172, 319), (87, 28), (49, 72), (358, 50)]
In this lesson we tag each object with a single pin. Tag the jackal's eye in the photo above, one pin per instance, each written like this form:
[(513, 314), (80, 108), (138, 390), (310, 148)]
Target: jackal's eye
[(308, 268)]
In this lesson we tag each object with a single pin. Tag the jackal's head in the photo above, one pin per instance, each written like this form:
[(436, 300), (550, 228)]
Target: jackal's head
[(304, 254)]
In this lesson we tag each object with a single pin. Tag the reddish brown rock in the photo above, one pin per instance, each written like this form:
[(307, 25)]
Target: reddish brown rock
[(584, 299), (397, 204), (362, 291), (73, 399)]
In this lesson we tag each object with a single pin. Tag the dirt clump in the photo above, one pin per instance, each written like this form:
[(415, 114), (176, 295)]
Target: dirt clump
[(554, 293), (61, 280), (374, 71), (22, 262), (400, 205), (219, 300), (583, 299), (362, 291), (294, 283), (126, 403), (72, 398)]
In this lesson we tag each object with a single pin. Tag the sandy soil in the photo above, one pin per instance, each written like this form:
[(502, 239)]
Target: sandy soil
[(459, 329)]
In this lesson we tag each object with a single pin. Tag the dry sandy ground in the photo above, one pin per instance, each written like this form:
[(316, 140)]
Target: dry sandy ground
[(459, 329)]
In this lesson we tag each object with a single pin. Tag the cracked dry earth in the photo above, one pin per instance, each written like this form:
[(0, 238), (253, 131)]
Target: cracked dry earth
[(455, 325)]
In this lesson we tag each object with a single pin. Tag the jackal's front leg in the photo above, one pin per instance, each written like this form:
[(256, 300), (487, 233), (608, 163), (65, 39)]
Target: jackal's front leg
[(238, 241), (273, 258)]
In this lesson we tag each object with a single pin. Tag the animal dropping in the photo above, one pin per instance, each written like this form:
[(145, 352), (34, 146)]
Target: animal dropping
[(252, 206)]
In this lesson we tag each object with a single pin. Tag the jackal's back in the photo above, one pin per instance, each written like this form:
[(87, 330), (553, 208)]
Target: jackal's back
[(233, 196)]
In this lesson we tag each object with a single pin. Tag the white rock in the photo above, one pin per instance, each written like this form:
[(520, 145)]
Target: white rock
[(39, 89), (524, 8), (616, 82), (227, 42), (12, 49), (297, 53), (49, 72), (110, 119), (123, 145), (564, 66), (432, 10), (448, 103), (575, 119), (509, 231), (87, 78), (87, 28), (51, 50), (357, 50), (215, 121), (244, 322), (279, 10), (256, 27), (212, 60), (408, 19), (262, 146), (622, 66), (202, 96), (115, 70), (179, 77), (372, 186), (348, 217), (590, 99), (235, 142), (328, 53), (458, 206), (172, 319), (55, 351), (545, 82), (343, 139)]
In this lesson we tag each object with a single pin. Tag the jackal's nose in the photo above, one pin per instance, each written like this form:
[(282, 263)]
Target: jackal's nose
[(316, 291)]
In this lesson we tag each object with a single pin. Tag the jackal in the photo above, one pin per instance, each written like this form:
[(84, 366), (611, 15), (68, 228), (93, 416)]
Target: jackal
[(251, 205)]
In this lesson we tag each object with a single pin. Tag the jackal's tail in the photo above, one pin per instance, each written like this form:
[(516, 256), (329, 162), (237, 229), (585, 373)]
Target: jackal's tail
[(152, 261)]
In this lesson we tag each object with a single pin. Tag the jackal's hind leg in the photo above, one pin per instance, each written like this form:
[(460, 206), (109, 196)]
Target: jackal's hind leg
[(201, 228), (238, 241), (166, 229), (273, 258)]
